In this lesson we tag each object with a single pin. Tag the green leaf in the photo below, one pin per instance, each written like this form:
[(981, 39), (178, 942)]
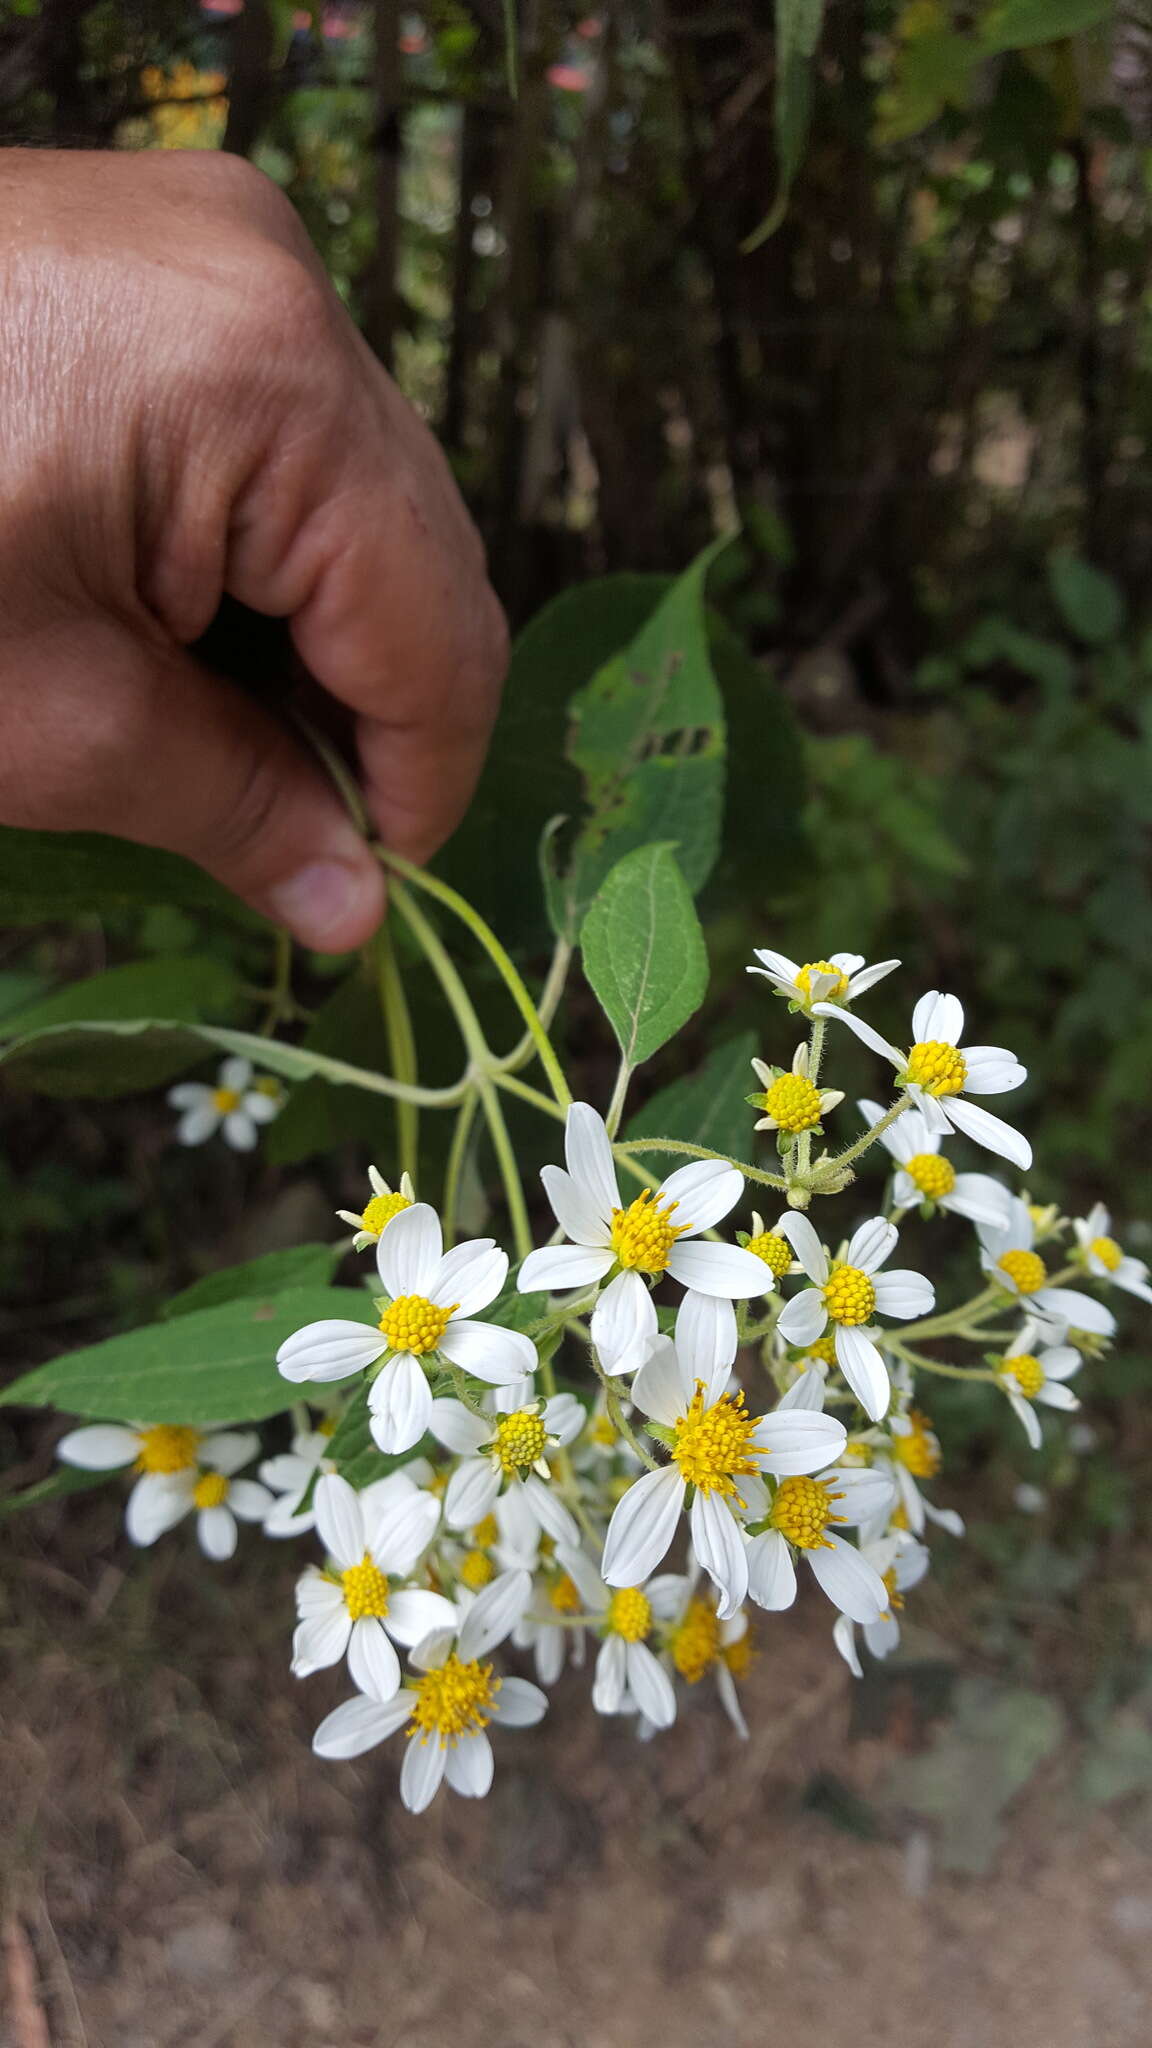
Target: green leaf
[(648, 736), (213, 1365), (68, 1479), (798, 24), (1089, 602), (1020, 24), (301, 1265), (57, 874), (188, 987), (121, 1057), (704, 1108), (644, 952)]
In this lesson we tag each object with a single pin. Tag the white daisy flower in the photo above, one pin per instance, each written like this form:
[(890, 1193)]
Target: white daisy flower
[(548, 1628), (911, 1452), (901, 1562), (449, 1706), (358, 1609), (237, 1106), (156, 1450), (939, 1075), (1103, 1256), (716, 1448), (924, 1175), (289, 1475), (209, 1489), (648, 1238), (848, 1292), (839, 979), (697, 1642), (385, 1203), (507, 1451), (1008, 1257), (791, 1100), (1032, 1371), (799, 1519), (629, 1676), (432, 1298)]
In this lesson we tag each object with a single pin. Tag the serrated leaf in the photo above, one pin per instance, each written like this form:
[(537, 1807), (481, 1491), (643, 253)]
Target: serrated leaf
[(644, 952), (57, 874), (300, 1265), (709, 1107), (1089, 602), (213, 1365)]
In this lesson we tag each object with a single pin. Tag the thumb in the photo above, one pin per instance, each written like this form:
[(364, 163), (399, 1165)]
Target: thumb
[(104, 730)]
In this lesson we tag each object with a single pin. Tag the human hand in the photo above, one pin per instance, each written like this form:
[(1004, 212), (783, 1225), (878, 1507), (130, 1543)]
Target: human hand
[(189, 411)]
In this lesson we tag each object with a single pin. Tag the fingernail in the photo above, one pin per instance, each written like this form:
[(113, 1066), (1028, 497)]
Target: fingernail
[(329, 905)]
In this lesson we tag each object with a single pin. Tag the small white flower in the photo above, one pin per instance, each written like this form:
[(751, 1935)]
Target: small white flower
[(432, 1298), (507, 1452), (799, 1519), (237, 1105), (1104, 1258), (901, 1563), (657, 1233), (697, 1642), (180, 1469), (939, 1075), (629, 1676), (848, 1292), (924, 1175), (1031, 1371), (791, 1101), (289, 1475), (449, 1707), (374, 1539), (716, 1447), (385, 1203), (839, 979), (1008, 1257)]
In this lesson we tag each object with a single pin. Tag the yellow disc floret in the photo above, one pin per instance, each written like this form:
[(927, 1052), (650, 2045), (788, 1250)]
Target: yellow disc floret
[(802, 1511), (210, 1490), (380, 1211), (365, 1590), (476, 1570), (519, 1441), (711, 1444), (167, 1447), (775, 1251), (849, 1296), (643, 1234), (937, 1068), (454, 1700), (413, 1323), (824, 1349), (1027, 1372), (933, 1175), (919, 1449), (225, 1100), (1108, 1252), (602, 1431), (1026, 1269), (695, 1644), (629, 1614), (564, 1595), (835, 994), (486, 1533), (793, 1102), (895, 1596), (738, 1655)]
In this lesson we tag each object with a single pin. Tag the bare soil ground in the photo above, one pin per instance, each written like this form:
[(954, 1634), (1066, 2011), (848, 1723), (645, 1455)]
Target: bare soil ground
[(179, 1872)]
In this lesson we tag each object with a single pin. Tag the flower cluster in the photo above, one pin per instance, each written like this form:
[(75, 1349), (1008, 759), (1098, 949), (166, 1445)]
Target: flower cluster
[(622, 1457)]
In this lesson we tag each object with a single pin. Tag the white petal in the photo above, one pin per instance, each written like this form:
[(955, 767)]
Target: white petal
[(1055, 1395), (799, 1440), (863, 1495), (469, 1277), (844, 1637), (454, 1426), (938, 1018), (318, 1595), (399, 1400), (372, 1661), (804, 1318), (771, 1572), (611, 1676), (849, 1580), (864, 1369), (806, 1245), (489, 1352), (414, 1614), (663, 1386), (719, 1546), (339, 1520), (193, 1095), (869, 1246), (579, 1216), (469, 1765), (408, 1252), (805, 1392), (564, 1418), (623, 1324), (588, 1151), (550, 1511), (216, 1533), (197, 1124), (156, 1503), (1026, 1416), (472, 1492), (642, 1527), (261, 1109), (863, 1031), (519, 1704), (226, 1450), (102, 1447), (718, 1269), (703, 1191), (494, 1614), (557, 1268), (235, 1074), (425, 1760), (897, 1139), (399, 1530), (1061, 1363), (239, 1131), (650, 1685), (864, 977), (330, 1350), (992, 1070), (777, 966), (706, 1340), (904, 1293), (321, 1639), (1079, 1311), (359, 1725), (989, 1131), (249, 1500), (979, 1198)]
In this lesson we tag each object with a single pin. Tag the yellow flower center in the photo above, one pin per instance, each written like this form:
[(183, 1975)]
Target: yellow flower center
[(802, 1511), (380, 1211), (167, 1447), (1108, 1252), (835, 994), (210, 1490), (602, 1431), (564, 1595), (456, 1699), (1027, 1372), (412, 1323), (823, 1349), (696, 1643), (711, 1444), (775, 1251), (519, 1441), (642, 1235), (793, 1102), (738, 1655), (933, 1175), (629, 1614), (849, 1295), (857, 1454), (1027, 1269), (225, 1100), (937, 1068), (895, 1597), (919, 1450), (327, 1425), (486, 1533), (365, 1590), (898, 1519), (476, 1569)]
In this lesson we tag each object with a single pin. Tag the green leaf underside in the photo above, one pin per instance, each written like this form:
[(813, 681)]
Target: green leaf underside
[(644, 952), (704, 1108), (123, 1056), (211, 1365), (301, 1265)]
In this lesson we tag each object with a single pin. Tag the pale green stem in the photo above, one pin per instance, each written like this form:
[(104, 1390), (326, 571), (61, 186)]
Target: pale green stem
[(870, 1136), (946, 1325), (619, 1094), (951, 1372), (506, 1161), (401, 1044), (280, 1002), (457, 1153), (624, 1146), (550, 1108), (815, 1055), (547, 1006)]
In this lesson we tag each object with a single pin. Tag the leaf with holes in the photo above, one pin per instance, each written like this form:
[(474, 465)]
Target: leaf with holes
[(644, 951)]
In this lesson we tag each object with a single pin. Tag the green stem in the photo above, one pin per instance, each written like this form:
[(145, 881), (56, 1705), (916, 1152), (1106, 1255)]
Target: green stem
[(457, 1154), (506, 1161), (870, 1136), (280, 1002), (619, 1093), (951, 1372), (547, 1006), (623, 1147), (953, 1320), (401, 1044), (815, 1055)]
